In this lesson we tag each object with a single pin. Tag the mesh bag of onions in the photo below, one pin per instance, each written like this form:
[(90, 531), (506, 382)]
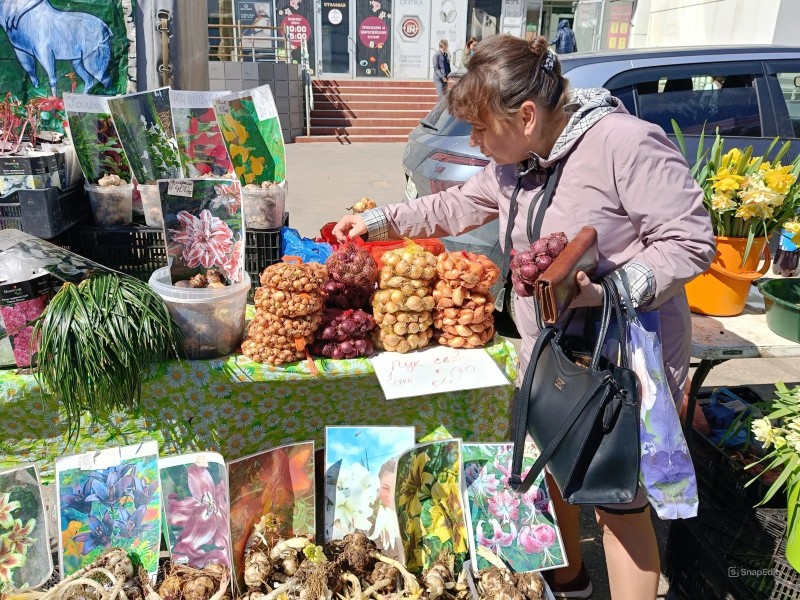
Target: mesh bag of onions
[(344, 334), (463, 315), (288, 312), (527, 266), (404, 287), (353, 274)]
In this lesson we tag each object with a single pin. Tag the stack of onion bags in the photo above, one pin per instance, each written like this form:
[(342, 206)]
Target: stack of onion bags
[(288, 312), (527, 266), (464, 316), (402, 305)]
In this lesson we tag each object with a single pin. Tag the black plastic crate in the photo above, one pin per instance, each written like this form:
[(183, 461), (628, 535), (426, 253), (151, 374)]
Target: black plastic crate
[(731, 555), (10, 213), (45, 213)]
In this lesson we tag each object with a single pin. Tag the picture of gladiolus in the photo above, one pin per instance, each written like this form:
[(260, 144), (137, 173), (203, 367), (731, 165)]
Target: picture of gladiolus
[(205, 240), (202, 519)]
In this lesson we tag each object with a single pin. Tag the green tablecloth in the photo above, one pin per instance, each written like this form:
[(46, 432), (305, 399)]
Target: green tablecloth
[(238, 407)]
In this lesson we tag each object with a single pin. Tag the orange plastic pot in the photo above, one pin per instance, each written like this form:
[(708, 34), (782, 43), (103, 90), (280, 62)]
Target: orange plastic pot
[(722, 290)]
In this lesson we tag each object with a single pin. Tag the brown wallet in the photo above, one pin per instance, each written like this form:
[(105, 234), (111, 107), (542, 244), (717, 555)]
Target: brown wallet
[(557, 287)]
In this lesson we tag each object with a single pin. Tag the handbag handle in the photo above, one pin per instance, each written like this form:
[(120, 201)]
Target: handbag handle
[(523, 394)]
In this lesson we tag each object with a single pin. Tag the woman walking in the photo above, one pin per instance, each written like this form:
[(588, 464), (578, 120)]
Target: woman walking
[(441, 68)]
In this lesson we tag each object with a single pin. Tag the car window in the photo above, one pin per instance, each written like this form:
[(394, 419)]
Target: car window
[(788, 80), (696, 97)]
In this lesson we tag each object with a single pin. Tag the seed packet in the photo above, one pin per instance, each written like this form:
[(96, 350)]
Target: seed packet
[(21, 304), (202, 150), (196, 509), (277, 484), (25, 558), (360, 467), (95, 138), (109, 498), (521, 529), (144, 124), (203, 227), (252, 132)]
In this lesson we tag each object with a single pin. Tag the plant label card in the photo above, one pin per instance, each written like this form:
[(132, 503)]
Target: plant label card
[(203, 227), (109, 498), (25, 559), (196, 509), (429, 504), (360, 469), (252, 132), (144, 124), (520, 529), (202, 149), (277, 485), (434, 370), (95, 137)]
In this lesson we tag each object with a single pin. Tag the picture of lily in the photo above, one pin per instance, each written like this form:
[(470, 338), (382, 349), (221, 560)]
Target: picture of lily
[(99, 534), (205, 240), (519, 528), (197, 509), (25, 558)]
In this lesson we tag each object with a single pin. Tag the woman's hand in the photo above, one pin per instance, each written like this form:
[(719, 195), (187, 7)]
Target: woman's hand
[(590, 294), (349, 227)]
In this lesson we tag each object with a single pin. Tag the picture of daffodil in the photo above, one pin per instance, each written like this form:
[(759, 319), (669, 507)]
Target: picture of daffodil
[(252, 133), (429, 504)]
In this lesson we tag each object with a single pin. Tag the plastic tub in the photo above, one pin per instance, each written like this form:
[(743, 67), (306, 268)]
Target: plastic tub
[(151, 204), (211, 319), (782, 304), (263, 207), (112, 205)]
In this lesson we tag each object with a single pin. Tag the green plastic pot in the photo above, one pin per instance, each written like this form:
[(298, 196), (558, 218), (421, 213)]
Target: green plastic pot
[(782, 303)]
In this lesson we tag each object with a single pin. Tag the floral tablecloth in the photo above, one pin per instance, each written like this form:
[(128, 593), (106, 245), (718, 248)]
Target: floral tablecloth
[(237, 407)]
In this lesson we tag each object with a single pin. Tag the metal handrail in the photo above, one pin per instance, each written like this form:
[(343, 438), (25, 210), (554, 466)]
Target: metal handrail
[(234, 45)]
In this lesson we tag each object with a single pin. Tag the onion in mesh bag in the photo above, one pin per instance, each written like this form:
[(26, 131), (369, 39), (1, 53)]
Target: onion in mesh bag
[(352, 265), (341, 325), (467, 269), (345, 349), (295, 276), (283, 303), (347, 296)]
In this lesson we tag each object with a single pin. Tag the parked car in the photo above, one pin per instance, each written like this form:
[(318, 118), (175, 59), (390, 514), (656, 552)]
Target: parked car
[(751, 93)]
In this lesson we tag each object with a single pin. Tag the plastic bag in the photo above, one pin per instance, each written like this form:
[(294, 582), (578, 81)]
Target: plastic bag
[(308, 250)]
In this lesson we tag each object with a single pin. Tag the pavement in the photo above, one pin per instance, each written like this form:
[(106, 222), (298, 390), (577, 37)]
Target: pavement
[(325, 179)]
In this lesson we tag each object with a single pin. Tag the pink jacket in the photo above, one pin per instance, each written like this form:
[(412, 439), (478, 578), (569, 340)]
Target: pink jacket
[(623, 177)]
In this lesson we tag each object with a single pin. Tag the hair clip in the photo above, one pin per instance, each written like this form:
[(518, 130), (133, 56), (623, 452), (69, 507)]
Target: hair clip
[(549, 62)]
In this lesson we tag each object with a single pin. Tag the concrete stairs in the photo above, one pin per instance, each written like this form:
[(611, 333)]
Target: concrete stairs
[(367, 110)]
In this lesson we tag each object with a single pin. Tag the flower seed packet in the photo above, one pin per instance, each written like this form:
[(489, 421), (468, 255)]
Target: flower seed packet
[(21, 304), (109, 498), (276, 485), (202, 150), (196, 509), (520, 529), (429, 504), (252, 132), (95, 138), (203, 227), (25, 559), (360, 472), (144, 124)]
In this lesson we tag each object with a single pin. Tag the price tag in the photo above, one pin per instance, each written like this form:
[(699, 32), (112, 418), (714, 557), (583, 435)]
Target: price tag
[(264, 103), (222, 107), (181, 187)]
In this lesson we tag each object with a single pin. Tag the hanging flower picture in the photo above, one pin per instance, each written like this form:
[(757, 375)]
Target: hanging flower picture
[(204, 228), (202, 149)]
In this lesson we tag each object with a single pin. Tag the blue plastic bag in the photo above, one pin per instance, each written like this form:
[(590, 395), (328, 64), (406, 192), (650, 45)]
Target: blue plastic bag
[(307, 250)]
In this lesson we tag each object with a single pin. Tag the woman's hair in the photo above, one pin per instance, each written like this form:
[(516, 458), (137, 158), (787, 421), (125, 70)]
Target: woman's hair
[(390, 466), (442, 43), (504, 72), (473, 41)]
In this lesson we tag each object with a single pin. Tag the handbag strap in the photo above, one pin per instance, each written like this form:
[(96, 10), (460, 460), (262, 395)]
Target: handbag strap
[(546, 196)]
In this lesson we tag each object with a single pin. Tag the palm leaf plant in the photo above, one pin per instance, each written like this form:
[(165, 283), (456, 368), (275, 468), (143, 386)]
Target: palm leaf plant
[(98, 339)]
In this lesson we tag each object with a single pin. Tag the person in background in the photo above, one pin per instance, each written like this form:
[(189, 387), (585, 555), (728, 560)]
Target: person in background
[(565, 38), (441, 68), (386, 530), (609, 166), (469, 50)]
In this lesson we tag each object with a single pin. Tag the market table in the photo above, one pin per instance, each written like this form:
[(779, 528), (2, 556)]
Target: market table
[(716, 340), (238, 407)]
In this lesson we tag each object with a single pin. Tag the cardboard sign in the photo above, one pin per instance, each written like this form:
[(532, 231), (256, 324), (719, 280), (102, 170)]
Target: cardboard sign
[(435, 370)]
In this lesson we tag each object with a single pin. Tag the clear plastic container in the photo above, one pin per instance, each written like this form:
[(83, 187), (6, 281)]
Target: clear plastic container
[(151, 204), (264, 207), (211, 319), (112, 205)]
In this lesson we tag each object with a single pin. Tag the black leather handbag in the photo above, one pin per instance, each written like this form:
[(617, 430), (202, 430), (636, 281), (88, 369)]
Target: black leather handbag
[(583, 419)]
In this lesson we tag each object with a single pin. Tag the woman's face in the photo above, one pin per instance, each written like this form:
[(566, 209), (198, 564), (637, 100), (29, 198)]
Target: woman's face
[(507, 145), (386, 490)]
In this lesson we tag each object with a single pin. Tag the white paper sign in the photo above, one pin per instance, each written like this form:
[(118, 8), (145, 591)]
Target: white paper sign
[(264, 103), (434, 370), (180, 187)]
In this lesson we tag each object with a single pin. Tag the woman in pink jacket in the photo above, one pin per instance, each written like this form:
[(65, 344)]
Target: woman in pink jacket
[(616, 173)]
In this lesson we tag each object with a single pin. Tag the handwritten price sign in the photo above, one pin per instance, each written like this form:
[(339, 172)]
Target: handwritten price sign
[(434, 370)]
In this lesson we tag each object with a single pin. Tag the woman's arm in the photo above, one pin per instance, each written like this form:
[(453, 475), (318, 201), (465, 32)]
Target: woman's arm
[(665, 204)]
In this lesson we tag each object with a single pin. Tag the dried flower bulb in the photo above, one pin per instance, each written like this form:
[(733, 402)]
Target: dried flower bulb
[(199, 588)]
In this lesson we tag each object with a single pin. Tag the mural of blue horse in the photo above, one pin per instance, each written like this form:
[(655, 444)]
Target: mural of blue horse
[(39, 32)]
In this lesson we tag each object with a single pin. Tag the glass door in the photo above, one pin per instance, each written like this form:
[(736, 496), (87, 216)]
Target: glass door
[(335, 37)]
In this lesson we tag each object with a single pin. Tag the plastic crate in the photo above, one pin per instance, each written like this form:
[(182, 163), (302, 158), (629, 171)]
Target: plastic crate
[(45, 213), (731, 555)]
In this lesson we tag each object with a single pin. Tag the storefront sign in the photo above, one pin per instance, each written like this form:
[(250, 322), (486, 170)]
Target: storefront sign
[(296, 16), (257, 15), (449, 22), (335, 16), (411, 37), (619, 25), (373, 52)]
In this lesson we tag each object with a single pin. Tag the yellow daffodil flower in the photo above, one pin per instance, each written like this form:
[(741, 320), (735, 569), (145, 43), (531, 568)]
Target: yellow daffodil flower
[(780, 179), (722, 202), (730, 158), (725, 181)]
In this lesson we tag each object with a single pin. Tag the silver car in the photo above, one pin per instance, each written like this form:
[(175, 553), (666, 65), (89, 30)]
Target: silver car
[(751, 93)]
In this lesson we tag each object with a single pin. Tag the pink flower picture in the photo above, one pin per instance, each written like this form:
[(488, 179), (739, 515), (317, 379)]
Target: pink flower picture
[(18, 320), (204, 240)]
